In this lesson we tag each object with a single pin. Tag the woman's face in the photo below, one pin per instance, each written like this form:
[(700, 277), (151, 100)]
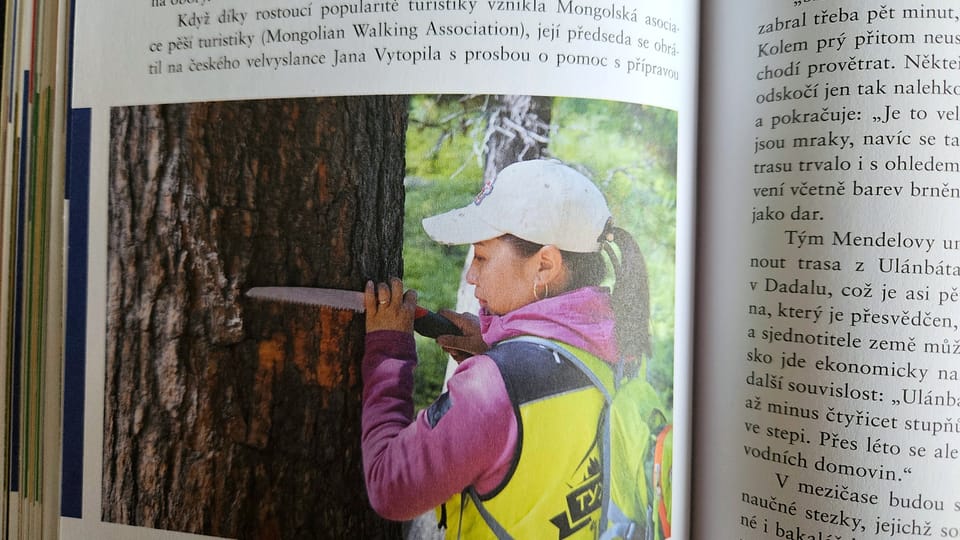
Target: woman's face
[(503, 279)]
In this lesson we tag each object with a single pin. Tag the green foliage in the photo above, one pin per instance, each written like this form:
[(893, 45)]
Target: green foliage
[(432, 270), (630, 152), (443, 139)]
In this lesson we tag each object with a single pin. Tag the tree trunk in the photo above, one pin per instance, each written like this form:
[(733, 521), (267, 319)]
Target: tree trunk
[(226, 416), (518, 129)]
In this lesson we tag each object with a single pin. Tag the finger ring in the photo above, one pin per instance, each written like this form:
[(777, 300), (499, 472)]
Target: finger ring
[(382, 302)]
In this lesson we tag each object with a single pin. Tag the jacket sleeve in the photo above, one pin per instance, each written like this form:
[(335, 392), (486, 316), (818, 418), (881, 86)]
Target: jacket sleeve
[(467, 437)]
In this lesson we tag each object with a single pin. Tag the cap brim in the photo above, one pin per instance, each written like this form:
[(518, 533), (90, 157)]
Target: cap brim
[(460, 226)]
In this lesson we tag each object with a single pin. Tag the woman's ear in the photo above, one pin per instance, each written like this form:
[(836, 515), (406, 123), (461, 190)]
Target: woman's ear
[(551, 269)]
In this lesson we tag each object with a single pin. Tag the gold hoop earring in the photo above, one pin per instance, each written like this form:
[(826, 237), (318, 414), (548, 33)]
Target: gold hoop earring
[(546, 291)]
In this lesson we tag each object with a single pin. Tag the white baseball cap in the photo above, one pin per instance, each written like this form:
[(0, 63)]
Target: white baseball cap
[(541, 201)]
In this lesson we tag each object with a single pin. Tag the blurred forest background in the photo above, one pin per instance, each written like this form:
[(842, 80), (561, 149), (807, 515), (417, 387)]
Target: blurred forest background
[(628, 150)]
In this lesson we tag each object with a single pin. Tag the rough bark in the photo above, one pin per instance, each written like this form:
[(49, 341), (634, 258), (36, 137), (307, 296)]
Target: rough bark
[(225, 416)]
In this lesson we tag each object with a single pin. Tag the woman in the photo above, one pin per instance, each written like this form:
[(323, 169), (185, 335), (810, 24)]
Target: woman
[(510, 450)]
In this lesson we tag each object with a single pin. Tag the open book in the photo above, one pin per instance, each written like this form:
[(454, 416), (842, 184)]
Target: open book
[(789, 169)]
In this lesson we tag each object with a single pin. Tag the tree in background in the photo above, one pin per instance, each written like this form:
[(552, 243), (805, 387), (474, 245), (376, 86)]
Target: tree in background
[(224, 416), (517, 129)]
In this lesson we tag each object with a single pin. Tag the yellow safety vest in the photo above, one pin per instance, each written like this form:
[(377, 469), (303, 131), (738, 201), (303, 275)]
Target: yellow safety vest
[(555, 487)]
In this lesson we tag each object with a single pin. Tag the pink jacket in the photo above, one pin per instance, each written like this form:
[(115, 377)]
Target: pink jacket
[(411, 467)]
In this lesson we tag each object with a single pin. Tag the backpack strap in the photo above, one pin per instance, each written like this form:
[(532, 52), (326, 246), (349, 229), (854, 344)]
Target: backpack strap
[(488, 518), (614, 523), (539, 373), (658, 482), (604, 427), (607, 388), (532, 369)]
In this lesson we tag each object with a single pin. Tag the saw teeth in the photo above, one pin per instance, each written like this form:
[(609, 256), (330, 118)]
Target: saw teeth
[(307, 296)]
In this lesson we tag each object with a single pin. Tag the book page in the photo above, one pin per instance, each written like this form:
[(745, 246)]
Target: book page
[(827, 369), (234, 117)]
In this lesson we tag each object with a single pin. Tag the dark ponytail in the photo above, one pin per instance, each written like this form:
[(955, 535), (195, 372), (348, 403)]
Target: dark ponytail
[(631, 294)]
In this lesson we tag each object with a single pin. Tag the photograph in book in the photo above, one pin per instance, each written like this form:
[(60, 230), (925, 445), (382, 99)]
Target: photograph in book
[(232, 416)]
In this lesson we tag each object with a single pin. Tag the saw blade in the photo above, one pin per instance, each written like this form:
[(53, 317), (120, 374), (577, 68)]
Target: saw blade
[(425, 322), (311, 296)]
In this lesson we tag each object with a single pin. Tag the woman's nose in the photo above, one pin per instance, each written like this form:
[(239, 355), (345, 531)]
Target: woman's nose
[(471, 276)]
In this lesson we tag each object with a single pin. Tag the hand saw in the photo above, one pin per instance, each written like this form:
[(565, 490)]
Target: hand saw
[(425, 322)]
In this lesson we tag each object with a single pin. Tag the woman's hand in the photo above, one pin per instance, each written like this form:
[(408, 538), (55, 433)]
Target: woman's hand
[(388, 307), (467, 345)]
